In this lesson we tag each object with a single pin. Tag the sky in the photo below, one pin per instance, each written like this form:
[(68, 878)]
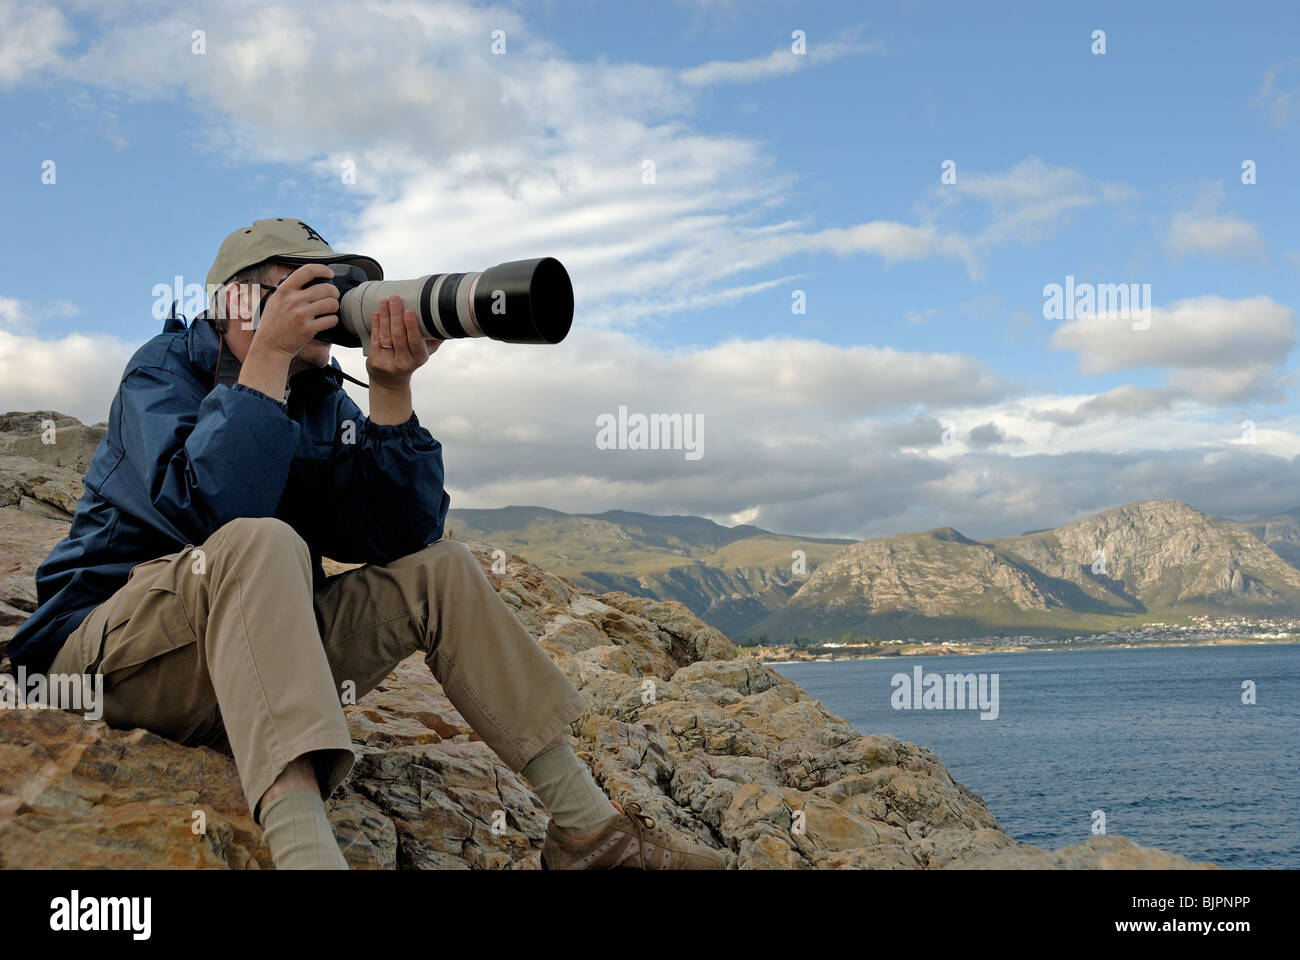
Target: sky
[(826, 232)]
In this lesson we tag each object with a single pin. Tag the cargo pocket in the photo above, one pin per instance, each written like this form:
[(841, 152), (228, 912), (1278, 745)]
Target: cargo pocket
[(149, 619)]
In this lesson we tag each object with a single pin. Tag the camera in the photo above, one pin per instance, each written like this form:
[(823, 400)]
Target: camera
[(521, 301)]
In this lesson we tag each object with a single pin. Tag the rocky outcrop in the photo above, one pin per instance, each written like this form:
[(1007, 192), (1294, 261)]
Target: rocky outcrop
[(1162, 555), (729, 598), (1281, 532), (43, 456), (707, 741), (934, 574)]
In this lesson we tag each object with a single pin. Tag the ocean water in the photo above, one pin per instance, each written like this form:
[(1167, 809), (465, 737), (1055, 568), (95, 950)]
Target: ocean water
[(1157, 738)]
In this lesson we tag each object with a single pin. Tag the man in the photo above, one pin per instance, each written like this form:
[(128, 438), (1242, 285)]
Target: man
[(191, 580)]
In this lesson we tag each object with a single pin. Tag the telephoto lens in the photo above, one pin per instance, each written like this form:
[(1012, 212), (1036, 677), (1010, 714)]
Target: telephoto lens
[(522, 301)]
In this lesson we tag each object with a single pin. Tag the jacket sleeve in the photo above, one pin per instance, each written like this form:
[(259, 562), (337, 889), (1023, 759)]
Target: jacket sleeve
[(202, 468), (387, 496)]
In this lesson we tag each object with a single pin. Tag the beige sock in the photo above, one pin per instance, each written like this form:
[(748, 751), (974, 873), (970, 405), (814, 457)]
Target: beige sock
[(568, 791), (299, 834)]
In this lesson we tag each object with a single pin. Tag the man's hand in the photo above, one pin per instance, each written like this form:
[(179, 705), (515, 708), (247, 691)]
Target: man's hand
[(293, 316), (396, 348), (396, 351)]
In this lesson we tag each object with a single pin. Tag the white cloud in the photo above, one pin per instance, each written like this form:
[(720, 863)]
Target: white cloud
[(1128, 420), (1025, 202), (1122, 401), (1218, 349), (1212, 236), (1277, 94), (894, 242), (783, 418), (12, 315), (1205, 231), (20, 316), (75, 374), (779, 62), (30, 38)]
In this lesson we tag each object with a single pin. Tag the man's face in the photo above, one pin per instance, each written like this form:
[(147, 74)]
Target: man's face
[(315, 353)]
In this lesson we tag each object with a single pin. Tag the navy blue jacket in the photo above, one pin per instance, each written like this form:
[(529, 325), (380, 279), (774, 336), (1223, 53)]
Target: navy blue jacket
[(189, 449)]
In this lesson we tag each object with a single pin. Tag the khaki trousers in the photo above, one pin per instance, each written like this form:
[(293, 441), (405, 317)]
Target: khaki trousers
[(228, 645)]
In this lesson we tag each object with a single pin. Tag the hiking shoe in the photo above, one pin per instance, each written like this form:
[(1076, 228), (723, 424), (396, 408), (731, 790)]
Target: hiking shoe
[(630, 840)]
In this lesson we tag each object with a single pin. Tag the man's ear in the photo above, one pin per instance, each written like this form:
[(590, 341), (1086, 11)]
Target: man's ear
[(238, 302)]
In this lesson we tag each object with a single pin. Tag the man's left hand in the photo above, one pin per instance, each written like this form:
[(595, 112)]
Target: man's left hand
[(397, 348)]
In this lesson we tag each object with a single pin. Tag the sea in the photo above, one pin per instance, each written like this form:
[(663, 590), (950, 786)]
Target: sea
[(1157, 743)]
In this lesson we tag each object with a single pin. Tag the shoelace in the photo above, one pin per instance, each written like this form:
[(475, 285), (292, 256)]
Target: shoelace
[(642, 822)]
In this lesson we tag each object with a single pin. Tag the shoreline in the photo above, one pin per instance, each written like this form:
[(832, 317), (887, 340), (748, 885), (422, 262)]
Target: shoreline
[(966, 651)]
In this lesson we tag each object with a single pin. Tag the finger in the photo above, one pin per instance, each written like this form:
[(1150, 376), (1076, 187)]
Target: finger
[(432, 346), (323, 307), (305, 274), (414, 342), (401, 349), (321, 291), (385, 327)]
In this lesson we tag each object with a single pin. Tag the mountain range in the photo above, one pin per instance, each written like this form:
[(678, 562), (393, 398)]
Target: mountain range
[(730, 577), (1153, 559)]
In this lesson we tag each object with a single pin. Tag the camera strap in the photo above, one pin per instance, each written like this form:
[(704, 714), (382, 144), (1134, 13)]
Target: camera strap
[(336, 373)]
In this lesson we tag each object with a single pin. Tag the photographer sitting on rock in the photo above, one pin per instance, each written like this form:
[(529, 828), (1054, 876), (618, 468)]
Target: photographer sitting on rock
[(191, 580)]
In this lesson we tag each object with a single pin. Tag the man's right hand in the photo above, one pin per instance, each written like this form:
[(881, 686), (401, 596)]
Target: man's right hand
[(293, 316)]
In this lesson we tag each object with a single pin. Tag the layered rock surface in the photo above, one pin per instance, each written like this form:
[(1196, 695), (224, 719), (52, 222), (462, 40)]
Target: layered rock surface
[(708, 741)]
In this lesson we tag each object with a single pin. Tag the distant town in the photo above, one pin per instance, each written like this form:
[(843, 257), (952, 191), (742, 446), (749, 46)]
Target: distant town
[(1195, 631)]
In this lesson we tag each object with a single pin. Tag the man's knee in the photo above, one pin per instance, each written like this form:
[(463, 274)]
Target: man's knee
[(451, 555), (264, 531)]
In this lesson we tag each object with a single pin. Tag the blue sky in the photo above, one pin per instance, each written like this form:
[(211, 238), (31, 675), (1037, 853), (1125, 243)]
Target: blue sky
[(773, 173)]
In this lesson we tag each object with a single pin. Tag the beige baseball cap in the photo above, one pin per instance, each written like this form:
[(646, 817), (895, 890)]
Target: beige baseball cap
[(281, 238)]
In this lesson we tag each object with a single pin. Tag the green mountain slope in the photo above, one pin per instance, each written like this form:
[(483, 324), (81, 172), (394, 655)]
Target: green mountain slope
[(729, 576)]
